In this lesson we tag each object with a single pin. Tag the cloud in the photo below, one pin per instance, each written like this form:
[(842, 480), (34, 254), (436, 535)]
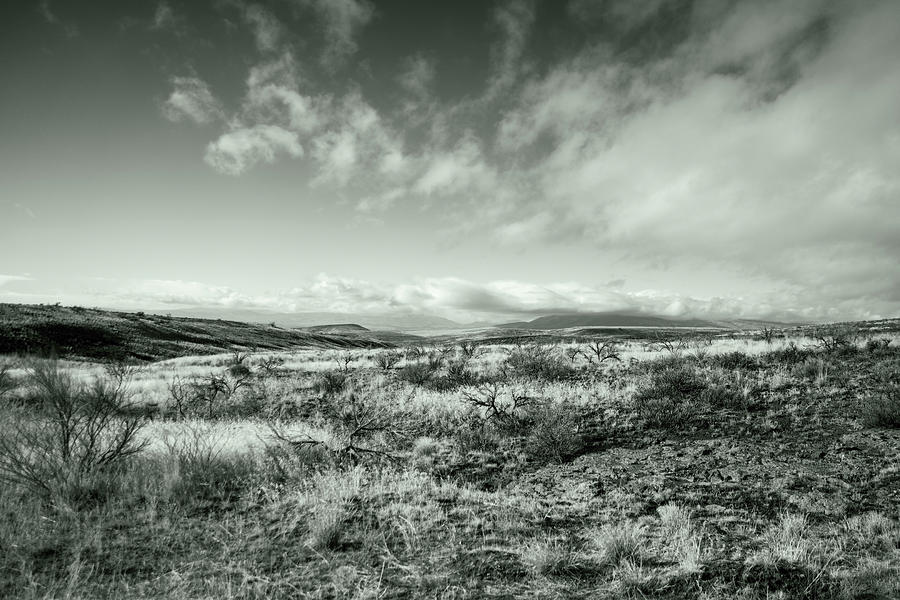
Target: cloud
[(238, 150), (460, 168), (342, 20), (71, 29), (514, 20), (192, 100), (267, 30), (165, 19), (357, 138), (273, 97), (4, 279), (450, 297)]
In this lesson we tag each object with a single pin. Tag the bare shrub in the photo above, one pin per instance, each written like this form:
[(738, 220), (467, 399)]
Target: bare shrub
[(470, 350), (205, 396), (358, 426), (834, 338), (602, 351), (237, 368), (71, 433), (271, 365), (504, 410), (387, 359)]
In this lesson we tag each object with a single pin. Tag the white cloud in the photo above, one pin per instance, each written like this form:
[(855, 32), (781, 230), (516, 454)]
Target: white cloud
[(274, 97), (514, 19), (238, 150), (267, 30), (451, 297), (455, 170), (4, 279), (342, 20), (165, 19), (192, 100), (357, 137), (418, 76)]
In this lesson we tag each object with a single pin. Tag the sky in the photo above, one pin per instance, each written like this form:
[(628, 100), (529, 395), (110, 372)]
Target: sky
[(474, 160)]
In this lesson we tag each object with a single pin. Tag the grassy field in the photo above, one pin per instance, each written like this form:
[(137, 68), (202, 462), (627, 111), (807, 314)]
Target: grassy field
[(688, 465)]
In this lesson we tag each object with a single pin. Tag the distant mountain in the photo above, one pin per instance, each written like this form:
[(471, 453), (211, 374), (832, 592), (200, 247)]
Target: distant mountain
[(606, 319), (75, 332), (375, 322), (337, 328)]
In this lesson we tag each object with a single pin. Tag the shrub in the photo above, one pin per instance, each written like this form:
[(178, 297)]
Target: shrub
[(883, 408), (271, 365), (789, 355), (475, 435), (387, 359), (670, 399), (724, 396), (811, 368), (205, 396), (7, 382), (459, 374), (70, 435), (203, 473), (331, 383), (878, 345), (537, 362), (735, 360), (834, 338), (419, 373), (506, 411), (554, 433)]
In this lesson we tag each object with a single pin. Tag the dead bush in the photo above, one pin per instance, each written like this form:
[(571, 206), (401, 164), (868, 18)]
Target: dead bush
[(69, 434)]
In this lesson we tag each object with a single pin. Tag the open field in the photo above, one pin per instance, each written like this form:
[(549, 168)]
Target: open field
[(683, 465)]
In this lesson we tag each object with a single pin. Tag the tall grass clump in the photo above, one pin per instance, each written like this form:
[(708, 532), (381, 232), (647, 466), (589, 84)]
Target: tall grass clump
[(68, 435)]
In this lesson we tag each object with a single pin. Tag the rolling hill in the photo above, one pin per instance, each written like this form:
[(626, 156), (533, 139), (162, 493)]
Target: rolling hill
[(75, 332)]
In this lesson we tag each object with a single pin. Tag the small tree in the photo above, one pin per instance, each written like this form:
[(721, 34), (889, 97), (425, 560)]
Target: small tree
[(71, 433), (602, 351), (387, 359)]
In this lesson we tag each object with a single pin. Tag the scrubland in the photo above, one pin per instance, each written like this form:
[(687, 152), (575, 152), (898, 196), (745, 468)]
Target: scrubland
[(721, 467)]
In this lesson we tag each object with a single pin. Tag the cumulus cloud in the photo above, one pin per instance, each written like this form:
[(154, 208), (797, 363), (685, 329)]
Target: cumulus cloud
[(758, 139), (192, 100), (240, 149)]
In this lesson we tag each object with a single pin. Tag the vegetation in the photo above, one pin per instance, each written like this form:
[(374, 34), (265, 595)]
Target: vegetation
[(756, 466)]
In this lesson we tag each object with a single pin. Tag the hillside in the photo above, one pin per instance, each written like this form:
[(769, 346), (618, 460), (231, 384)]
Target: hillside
[(75, 332), (375, 322)]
